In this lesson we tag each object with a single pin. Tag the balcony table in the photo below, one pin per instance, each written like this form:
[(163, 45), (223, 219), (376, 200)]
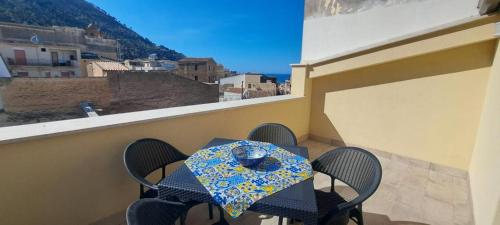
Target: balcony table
[(295, 202)]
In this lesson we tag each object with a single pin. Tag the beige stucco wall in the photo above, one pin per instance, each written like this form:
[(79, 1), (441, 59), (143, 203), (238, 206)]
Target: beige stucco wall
[(485, 164), (80, 178), (425, 107)]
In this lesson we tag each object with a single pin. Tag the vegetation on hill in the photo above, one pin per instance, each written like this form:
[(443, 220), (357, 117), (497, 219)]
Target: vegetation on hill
[(80, 13)]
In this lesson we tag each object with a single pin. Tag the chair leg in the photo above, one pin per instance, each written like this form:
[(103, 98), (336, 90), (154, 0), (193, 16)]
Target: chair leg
[(183, 219), (356, 215), (360, 218), (210, 211), (280, 221)]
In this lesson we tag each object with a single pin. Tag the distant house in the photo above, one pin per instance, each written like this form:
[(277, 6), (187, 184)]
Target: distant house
[(147, 65), (200, 69), (35, 51), (102, 68), (249, 85)]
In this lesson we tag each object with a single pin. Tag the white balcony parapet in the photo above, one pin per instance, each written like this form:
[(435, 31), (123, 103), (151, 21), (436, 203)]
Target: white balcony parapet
[(41, 130)]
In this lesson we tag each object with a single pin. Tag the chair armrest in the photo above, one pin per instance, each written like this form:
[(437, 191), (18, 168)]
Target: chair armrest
[(142, 181)]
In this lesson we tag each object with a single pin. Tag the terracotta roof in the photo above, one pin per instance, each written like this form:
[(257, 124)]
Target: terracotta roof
[(111, 66)]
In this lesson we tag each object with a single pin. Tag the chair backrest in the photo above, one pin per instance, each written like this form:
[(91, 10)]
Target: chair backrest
[(147, 155), (151, 211), (273, 133), (356, 167)]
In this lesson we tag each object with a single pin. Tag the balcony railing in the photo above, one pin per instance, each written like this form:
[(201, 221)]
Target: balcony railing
[(32, 62)]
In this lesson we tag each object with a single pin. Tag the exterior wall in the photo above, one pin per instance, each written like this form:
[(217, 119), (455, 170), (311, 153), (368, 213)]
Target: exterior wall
[(95, 71), (39, 63), (485, 162), (106, 48), (80, 178), (116, 93), (136, 91), (237, 80), (334, 27), (253, 88), (54, 94), (69, 36), (425, 107), (201, 70)]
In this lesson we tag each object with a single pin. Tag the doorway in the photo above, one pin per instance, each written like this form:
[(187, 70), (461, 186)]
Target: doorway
[(55, 58), (20, 56)]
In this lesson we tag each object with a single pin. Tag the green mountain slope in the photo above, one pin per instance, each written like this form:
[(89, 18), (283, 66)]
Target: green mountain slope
[(80, 13)]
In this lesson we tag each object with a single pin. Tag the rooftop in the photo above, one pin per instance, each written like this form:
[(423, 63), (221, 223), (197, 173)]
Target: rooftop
[(110, 66), (426, 105)]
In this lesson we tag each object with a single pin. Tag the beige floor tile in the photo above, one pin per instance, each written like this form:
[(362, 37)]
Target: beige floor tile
[(437, 212)]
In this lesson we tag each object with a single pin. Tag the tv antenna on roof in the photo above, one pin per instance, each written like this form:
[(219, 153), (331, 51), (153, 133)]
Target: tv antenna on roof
[(34, 39)]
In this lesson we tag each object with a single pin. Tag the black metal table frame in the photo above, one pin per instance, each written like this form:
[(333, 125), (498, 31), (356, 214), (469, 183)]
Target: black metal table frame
[(295, 202)]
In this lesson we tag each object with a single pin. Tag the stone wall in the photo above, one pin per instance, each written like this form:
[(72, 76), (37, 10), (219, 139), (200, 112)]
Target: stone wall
[(120, 92), (53, 94), (134, 91)]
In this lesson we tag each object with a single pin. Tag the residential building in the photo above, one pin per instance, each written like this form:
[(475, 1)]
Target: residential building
[(249, 85), (147, 65), (200, 69), (285, 88), (34, 51), (417, 83), (103, 68)]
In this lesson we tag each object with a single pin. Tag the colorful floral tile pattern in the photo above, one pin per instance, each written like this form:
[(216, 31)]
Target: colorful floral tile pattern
[(235, 187)]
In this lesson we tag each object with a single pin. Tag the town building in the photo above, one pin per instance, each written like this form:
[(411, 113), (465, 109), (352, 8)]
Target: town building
[(245, 86), (35, 51), (200, 69), (103, 68), (150, 65), (285, 88)]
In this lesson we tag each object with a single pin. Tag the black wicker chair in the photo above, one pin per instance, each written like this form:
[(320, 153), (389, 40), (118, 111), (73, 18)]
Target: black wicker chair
[(357, 168), (144, 156), (151, 211), (273, 133)]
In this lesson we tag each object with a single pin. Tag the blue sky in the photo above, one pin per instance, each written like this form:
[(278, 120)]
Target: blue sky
[(247, 36)]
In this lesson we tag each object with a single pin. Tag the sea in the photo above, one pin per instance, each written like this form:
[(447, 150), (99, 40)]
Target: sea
[(280, 78)]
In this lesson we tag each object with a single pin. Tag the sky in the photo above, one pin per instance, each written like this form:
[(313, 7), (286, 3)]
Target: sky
[(245, 35)]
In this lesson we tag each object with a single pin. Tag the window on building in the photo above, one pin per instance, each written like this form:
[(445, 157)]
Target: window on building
[(195, 67), (43, 49), (195, 77), (249, 85)]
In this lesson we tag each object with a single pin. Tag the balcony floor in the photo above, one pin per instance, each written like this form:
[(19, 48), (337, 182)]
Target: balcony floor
[(412, 192)]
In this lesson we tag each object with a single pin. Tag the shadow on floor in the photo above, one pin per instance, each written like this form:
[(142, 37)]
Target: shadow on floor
[(378, 219)]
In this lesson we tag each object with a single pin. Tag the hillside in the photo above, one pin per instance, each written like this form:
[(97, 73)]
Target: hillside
[(80, 13)]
